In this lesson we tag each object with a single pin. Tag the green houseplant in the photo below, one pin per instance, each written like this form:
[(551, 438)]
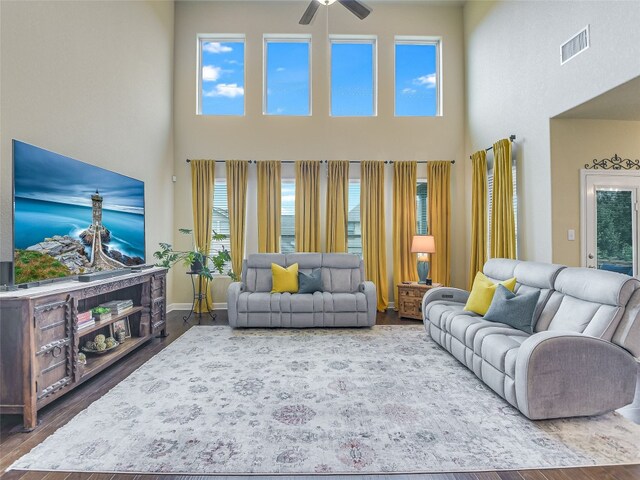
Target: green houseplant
[(202, 263)]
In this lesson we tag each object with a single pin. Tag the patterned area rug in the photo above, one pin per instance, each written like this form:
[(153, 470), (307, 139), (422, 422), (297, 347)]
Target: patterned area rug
[(385, 399)]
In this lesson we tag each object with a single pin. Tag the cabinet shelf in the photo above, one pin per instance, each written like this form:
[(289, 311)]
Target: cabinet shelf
[(98, 363), (102, 324)]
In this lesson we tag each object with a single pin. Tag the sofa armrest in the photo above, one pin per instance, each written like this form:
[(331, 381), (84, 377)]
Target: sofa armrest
[(369, 290), (233, 292), (566, 374), (447, 294)]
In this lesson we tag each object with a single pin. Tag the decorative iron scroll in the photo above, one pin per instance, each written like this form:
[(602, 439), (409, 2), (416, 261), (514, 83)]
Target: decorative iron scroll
[(614, 163)]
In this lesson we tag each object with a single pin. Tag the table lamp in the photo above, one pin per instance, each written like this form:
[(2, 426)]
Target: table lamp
[(423, 245)]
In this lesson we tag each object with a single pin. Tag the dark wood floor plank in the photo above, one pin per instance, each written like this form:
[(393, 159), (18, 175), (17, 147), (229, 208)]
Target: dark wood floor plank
[(14, 443)]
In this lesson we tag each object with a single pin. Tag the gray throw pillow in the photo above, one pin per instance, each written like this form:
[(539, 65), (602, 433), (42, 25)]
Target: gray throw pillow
[(513, 309), (310, 283)]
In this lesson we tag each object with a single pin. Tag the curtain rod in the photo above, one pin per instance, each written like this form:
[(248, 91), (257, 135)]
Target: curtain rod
[(325, 161), (512, 138)]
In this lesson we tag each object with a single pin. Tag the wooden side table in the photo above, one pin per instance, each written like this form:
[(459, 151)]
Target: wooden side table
[(409, 301)]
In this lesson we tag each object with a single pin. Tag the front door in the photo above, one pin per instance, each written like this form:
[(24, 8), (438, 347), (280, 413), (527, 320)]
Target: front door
[(611, 220)]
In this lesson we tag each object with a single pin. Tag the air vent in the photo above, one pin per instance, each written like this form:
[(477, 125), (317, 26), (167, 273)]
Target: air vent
[(575, 45)]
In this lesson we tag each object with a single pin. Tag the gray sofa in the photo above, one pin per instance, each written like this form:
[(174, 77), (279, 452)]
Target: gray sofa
[(347, 300), (580, 360)]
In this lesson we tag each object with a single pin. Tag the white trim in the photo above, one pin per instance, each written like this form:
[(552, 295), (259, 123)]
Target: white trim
[(187, 306), (219, 37), (355, 39), (420, 40), (285, 38)]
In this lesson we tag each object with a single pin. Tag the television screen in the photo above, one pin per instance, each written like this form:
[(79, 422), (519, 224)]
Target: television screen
[(71, 217)]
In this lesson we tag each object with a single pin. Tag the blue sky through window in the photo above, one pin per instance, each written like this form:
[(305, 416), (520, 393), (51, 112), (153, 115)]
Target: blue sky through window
[(416, 80), (352, 87), (222, 78), (287, 82)]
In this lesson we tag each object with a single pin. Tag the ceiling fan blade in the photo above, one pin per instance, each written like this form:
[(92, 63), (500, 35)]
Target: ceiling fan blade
[(309, 13), (360, 10)]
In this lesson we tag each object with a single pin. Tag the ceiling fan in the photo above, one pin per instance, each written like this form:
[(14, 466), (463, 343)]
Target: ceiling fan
[(354, 6)]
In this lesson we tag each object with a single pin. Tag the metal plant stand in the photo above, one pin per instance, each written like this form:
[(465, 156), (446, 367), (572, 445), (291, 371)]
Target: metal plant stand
[(198, 296)]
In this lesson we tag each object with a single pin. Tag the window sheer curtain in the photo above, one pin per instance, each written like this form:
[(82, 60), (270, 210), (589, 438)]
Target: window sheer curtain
[(405, 182), (307, 210), (202, 184), (237, 179), (373, 228), (269, 185), (337, 205), (478, 214), (439, 208), (503, 226)]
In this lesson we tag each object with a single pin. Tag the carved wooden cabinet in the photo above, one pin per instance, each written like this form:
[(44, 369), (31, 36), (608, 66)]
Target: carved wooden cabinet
[(40, 340)]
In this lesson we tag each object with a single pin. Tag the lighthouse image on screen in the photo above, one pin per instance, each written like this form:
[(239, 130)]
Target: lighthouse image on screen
[(71, 217)]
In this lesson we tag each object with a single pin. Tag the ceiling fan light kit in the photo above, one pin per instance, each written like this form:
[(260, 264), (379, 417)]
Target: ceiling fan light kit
[(359, 9)]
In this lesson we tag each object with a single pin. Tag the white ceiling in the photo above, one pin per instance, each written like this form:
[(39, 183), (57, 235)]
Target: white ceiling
[(620, 103)]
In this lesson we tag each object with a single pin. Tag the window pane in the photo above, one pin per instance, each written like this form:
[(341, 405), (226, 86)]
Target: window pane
[(352, 79), (421, 208), (416, 80), (287, 81), (222, 78), (220, 218), (288, 216), (614, 227), (354, 232)]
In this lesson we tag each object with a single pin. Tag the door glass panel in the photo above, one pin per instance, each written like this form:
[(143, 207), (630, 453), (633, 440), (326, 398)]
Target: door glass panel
[(614, 214)]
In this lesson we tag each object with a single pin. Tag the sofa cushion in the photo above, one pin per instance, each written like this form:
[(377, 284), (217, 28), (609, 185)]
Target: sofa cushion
[(311, 282), (597, 286), (302, 303), (284, 279), (501, 351), (500, 268), (514, 310), (257, 271), (482, 293), (341, 272), (344, 302)]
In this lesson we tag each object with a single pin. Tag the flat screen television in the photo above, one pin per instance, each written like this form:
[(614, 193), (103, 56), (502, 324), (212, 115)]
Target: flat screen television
[(71, 217)]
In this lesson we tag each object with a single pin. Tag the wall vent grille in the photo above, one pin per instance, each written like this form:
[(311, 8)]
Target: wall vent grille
[(575, 45)]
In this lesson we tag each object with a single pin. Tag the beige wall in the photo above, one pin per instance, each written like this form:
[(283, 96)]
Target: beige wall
[(575, 143), (515, 84), (258, 137), (91, 80)]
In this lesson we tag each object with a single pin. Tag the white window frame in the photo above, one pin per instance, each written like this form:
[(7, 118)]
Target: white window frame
[(420, 40), (284, 38), (355, 39), (222, 38), (354, 181)]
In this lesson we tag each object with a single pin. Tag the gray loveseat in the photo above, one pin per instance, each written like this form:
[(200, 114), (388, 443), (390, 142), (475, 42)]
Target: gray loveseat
[(580, 360), (347, 300)]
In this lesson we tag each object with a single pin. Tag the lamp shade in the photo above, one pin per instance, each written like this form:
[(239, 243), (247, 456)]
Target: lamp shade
[(423, 244)]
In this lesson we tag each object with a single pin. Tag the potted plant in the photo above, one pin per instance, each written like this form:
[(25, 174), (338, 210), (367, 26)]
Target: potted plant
[(202, 263)]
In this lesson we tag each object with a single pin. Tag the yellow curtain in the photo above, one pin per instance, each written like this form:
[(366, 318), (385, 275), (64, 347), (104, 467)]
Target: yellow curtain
[(478, 214), (373, 228), (307, 219), (503, 227), (237, 204), (202, 182), (269, 185), (404, 223), (439, 213), (337, 205)]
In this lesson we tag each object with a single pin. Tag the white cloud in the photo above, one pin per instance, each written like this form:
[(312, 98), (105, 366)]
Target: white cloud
[(428, 81), (280, 69), (232, 62), (216, 47), (408, 91), (229, 90), (210, 73)]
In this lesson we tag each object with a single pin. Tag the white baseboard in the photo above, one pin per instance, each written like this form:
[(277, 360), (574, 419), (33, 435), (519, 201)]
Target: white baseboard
[(187, 306)]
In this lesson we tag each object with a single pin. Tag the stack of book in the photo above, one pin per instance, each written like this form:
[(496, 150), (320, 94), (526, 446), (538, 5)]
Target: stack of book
[(118, 307), (85, 320)]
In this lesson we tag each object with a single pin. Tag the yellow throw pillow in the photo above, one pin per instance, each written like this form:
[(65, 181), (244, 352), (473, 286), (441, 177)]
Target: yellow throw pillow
[(482, 293), (285, 279)]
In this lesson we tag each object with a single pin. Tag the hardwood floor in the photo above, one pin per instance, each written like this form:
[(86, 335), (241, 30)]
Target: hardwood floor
[(14, 443)]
